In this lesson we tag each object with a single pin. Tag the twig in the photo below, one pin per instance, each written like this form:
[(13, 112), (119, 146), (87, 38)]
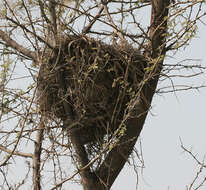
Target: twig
[(13, 44), (22, 154), (87, 28)]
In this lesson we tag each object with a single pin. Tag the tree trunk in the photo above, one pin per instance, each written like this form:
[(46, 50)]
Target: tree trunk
[(117, 157)]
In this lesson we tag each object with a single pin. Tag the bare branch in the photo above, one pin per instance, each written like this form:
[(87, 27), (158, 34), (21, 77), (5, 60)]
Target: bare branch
[(13, 44), (37, 155), (22, 154)]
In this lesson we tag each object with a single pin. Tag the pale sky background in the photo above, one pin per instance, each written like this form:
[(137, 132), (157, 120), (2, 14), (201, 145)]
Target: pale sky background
[(181, 115), (174, 116)]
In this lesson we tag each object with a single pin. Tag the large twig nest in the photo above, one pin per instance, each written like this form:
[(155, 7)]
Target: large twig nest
[(94, 79)]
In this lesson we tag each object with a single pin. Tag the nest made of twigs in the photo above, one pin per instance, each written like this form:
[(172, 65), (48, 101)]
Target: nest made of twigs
[(94, 79)]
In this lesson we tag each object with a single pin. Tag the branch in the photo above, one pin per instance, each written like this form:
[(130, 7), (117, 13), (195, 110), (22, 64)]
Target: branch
[(13, 44), (117, 157), (29, 31), (37, 155), (81, 154), (52, 11), (41, 6), (115, 28), (20, 132), (22, 154), (80, 170), (87, 28)]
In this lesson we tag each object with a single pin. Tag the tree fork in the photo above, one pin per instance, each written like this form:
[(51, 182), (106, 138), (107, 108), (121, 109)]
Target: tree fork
[(117, 157)]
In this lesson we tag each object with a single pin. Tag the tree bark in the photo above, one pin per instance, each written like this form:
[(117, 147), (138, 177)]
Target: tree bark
[(117, 157), (37, 155), (13, 44)]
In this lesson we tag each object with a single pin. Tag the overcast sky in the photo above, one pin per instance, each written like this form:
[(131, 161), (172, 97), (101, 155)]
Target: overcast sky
[(174, 116)]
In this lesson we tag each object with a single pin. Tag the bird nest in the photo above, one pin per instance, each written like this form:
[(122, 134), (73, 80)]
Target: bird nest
[(91, 83)]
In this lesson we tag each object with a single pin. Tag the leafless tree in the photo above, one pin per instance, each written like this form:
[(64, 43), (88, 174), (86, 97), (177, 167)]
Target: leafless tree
[(77, 82)]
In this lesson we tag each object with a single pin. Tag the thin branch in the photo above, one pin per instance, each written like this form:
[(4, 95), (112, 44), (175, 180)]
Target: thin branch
[(41, 5), (22, 154), (192, 155), (13, 44), (118, 156), (53, 17), (87, 28), (116, 30), (37, 155), (21, 131), (27, 30)]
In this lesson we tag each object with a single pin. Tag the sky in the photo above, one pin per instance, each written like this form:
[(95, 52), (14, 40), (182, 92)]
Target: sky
[(173, 116)]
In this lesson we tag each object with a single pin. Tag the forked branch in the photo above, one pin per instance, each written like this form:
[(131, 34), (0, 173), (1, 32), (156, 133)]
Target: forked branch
[(118, 156)]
